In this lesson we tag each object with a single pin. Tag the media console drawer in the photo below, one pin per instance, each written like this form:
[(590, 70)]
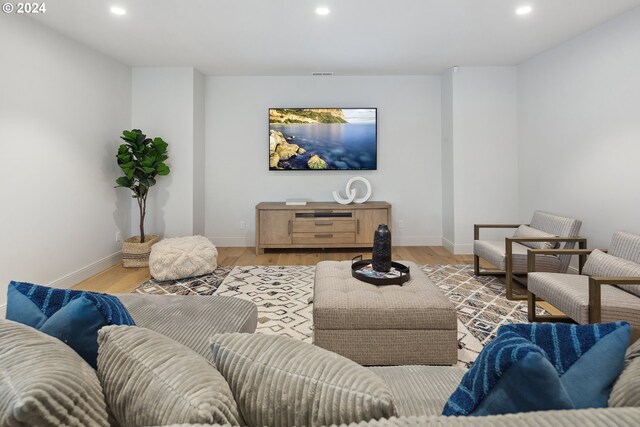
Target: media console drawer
[(323, 238), (324, 226), (319, 225)]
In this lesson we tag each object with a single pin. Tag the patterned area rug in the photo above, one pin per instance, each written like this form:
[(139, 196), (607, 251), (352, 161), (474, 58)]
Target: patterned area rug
[(283, 293)]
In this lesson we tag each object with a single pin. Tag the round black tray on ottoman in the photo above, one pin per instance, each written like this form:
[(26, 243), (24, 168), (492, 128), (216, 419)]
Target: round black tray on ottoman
[(382, 281)]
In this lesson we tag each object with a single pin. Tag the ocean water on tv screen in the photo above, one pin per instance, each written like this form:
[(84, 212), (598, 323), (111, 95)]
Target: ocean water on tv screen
[(346, 145)]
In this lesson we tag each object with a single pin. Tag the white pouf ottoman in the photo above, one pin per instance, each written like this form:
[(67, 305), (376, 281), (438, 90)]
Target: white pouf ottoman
[(181, 257)]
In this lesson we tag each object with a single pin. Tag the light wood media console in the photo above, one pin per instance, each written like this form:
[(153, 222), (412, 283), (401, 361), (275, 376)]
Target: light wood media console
[(318, 225)]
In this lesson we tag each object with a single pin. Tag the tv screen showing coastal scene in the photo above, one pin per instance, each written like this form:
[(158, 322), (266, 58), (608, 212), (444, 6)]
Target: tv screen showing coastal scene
[(322, 139)]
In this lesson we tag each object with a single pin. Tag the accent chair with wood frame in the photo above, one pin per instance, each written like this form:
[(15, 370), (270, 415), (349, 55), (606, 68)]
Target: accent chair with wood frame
[(607, 288), (510, 256)]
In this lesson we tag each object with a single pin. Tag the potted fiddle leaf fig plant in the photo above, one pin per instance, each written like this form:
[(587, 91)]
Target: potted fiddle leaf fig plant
[(141, 159)]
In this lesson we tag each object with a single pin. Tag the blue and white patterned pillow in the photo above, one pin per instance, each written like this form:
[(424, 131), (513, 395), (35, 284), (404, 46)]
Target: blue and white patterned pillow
[(531, 367), (73, 316)]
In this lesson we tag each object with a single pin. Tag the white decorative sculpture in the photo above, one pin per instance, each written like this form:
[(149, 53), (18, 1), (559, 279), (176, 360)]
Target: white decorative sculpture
[(351, 193)]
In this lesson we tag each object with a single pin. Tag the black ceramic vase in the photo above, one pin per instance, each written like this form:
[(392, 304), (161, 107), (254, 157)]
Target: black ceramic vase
[(382, 249)]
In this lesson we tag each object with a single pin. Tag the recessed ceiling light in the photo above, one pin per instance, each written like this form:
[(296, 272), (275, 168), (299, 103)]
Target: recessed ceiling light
[(118, 10), (322, 11), (524, 10)]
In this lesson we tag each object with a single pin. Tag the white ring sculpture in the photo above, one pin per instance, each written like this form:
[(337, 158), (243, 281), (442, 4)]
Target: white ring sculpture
[(351, 193)]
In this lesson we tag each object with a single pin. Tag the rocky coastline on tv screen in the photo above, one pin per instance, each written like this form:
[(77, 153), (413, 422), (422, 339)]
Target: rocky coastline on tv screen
[(322, 139)]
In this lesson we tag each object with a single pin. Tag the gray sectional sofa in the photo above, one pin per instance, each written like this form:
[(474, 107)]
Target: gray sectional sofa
[(419, 392)]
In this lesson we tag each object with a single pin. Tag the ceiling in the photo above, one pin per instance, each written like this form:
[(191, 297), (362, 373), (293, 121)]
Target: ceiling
[(358, 37)]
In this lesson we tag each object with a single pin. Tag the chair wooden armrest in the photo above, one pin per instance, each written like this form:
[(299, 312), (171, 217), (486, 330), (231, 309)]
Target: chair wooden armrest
[(508, 247), (595, 293), (477, 227), (531, 256)]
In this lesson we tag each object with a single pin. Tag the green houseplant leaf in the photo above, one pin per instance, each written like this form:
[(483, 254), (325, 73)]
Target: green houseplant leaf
[(141, 159)]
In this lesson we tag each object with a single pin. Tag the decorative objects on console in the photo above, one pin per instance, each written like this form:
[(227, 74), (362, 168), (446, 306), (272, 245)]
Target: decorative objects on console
[(141, 160), (74, 317), (351, 193)]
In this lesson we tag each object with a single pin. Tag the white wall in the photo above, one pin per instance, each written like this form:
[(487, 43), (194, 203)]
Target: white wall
[(481, 152), (199, 164), (448, 211), (165, 104), (62, 108), (579, 131), (408, 175)]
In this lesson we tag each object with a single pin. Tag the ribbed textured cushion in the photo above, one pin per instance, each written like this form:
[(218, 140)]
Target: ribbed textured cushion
[(150, 379), (43, 382), (191, 320), (601, 264), (493, 251), (608, 417), (526, 231), (420, 390), (278, 381), (570, 294), (626, 390), (625, 245), (559, 226)]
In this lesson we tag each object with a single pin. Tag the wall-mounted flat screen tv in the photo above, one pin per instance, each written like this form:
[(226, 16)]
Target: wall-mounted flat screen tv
[(323, 139)]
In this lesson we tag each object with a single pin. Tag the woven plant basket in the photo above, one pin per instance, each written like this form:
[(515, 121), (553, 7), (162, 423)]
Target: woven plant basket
[(136, 254)]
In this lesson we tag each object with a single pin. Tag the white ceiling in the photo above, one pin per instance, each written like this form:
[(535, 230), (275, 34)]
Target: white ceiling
[(358, 37)]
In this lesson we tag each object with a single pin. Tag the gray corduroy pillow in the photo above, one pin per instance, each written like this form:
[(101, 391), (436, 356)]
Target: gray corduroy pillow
[(626, 390), (149, 379), (43, 382), (278, 381)]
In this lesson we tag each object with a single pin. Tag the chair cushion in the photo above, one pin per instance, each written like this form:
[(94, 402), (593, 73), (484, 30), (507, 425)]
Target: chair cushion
[(181, 257), (625, 390), (556, 225), (570, 294), (606, 265), (74, 317), (279, 381), (43, 382), (420, 390), (625, 245), (191, 320), (493, 252), (541, 367), (150, 380), (526, 231)]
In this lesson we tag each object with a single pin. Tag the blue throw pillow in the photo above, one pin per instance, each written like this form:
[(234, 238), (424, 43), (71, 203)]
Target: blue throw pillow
[(74, 317), (533, 367)]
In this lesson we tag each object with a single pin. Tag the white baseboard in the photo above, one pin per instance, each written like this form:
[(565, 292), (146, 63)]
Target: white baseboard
[(463, 249), (241, 242), (416, 240), (448, 245), (78, 276)]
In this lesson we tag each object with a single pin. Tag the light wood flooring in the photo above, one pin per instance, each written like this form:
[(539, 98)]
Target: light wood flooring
[(118, 279)]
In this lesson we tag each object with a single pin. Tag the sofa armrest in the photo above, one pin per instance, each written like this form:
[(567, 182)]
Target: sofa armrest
[(595, 293)]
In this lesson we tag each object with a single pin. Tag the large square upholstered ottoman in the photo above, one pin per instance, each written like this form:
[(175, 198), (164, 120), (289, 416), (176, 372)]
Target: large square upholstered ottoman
[(412, 324)]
